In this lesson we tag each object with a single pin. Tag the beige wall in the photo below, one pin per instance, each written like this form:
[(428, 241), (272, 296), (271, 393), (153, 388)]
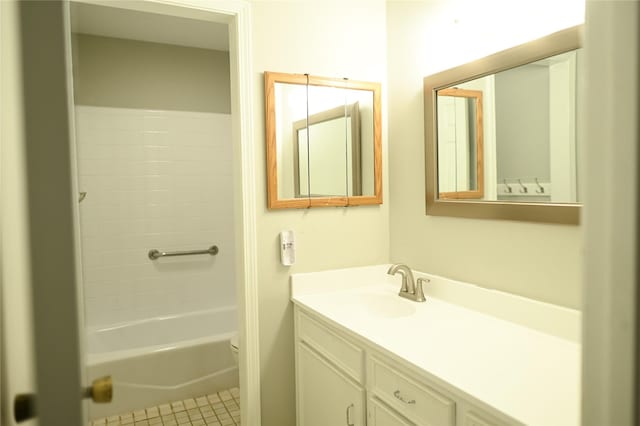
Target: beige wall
[(322, 38), (533, 260), (113, 72)]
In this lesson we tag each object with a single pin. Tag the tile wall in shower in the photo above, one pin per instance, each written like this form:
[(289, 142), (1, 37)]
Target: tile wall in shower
[(154, 179)]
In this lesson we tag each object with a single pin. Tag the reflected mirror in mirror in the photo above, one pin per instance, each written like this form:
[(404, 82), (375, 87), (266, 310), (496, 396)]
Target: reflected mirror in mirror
[(363, 155), (460, 144), (323, 141), (335, 133), (515, 130)]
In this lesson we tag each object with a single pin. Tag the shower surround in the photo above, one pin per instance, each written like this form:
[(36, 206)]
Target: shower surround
[(155, 180)]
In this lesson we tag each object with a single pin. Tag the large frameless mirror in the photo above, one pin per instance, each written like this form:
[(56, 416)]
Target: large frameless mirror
[(500, 134), (323, 141)]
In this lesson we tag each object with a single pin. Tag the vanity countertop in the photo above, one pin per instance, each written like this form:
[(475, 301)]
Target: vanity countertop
[(528, 374)]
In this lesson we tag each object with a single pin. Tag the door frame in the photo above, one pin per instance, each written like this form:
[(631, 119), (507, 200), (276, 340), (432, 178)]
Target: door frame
[(237, 14), (51, 184), (611, 284)]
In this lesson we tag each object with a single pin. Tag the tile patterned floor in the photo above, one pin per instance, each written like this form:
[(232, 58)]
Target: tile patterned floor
[(217, 409)]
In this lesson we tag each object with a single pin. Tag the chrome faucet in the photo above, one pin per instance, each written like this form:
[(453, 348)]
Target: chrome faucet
[(409, 289)]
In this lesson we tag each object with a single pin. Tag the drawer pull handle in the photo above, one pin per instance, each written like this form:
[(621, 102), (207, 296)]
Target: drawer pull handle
[(401, 398), (349, 422)]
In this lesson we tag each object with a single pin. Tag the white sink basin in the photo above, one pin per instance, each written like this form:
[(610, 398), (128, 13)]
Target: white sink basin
[(377, 302), (386, 306)]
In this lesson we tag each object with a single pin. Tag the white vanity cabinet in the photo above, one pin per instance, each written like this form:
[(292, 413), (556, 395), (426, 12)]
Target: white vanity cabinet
[(329, 376), (341, 380), (468, 356), (326, 395)]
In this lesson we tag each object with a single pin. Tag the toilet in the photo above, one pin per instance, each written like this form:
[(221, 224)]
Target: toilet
[(234, 345)]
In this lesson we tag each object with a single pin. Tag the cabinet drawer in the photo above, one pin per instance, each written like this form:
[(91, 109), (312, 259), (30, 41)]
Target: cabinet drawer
[(416, 401), (339, 351), (473, 416), (381, 415)]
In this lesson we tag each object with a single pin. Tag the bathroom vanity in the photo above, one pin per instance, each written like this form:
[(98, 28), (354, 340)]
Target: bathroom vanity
[(467, 356)]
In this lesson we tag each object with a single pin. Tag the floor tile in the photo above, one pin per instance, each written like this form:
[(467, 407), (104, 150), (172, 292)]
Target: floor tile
[(153, 412), (217, 409), (177, 406), (139, 415), (190, 403)]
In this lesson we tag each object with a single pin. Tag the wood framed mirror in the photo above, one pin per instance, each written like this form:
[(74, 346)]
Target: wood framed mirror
[(524, 166), (323, 140)]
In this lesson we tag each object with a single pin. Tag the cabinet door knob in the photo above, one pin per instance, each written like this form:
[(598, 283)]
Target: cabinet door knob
[(349, 422)]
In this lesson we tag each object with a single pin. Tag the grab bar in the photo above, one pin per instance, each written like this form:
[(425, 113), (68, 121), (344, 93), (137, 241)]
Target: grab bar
[(154, 254)]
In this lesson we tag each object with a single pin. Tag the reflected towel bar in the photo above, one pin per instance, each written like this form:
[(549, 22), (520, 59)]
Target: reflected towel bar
[(154, 254)]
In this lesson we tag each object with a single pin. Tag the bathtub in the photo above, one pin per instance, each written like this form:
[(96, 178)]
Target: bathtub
[(165, 359)]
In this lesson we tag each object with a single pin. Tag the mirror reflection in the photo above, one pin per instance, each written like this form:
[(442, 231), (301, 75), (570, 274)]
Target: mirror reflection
[(460, 144), (323, 141), (335, 136), (289, 97), (515, 139)]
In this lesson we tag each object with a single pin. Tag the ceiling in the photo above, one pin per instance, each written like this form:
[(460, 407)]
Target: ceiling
[(143, 26)]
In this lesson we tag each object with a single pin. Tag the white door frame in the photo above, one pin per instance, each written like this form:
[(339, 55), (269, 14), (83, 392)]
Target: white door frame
[(51, 199), (610, 215), (237, 14)]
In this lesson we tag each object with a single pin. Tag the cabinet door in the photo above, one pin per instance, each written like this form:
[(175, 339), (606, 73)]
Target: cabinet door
[(325, 395), (381, 415), (475, 417)]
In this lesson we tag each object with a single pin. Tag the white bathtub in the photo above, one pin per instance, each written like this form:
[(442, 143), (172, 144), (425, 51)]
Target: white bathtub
[(163, 359)]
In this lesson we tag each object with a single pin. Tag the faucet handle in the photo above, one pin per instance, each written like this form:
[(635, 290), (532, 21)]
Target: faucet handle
[(419, 295)]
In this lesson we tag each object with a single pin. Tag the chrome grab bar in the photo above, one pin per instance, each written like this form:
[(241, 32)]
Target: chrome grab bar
[(155, 254)]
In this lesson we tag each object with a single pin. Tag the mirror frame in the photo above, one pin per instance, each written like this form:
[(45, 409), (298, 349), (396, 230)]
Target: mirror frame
[(273, 202), (477, 193), (561, 213)]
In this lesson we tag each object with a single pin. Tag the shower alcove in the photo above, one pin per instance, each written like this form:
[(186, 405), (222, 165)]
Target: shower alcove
[(154, 160)]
